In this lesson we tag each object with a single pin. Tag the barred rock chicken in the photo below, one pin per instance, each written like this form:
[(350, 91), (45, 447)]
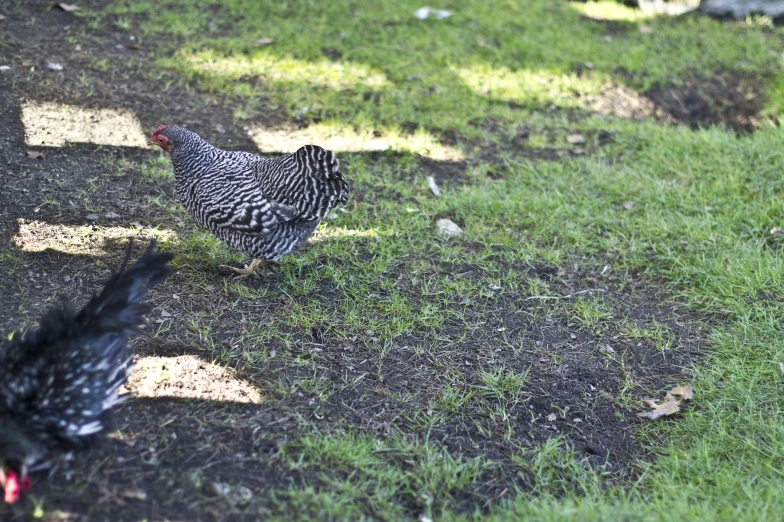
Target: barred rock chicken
[(263, 207), (58, 383)]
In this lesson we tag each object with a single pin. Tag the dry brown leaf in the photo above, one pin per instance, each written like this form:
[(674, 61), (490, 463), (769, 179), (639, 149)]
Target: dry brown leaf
[(68, 8), (164, 313), (670, 406), (134, 494), (685, 392)]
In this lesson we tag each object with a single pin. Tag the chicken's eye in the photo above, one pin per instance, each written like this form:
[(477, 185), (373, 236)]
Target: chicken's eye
[(160, 139)]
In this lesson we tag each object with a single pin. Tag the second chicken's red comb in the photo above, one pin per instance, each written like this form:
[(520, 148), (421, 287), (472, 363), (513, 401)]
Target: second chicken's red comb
[(159, 129)]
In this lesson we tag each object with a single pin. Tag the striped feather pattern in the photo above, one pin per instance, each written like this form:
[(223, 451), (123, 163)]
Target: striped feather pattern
[(263, 207)]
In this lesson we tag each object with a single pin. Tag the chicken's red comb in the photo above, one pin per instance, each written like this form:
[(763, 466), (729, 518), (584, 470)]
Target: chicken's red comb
[(12, 487), (159, 129)]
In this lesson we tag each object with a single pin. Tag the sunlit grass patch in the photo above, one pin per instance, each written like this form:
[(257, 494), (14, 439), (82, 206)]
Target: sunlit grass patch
[(93, 240), (346, 138), (610, 10), (532, 88), (267, 66)]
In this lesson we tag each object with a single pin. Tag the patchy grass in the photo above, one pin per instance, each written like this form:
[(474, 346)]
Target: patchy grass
[(401, 374), (500, 60)]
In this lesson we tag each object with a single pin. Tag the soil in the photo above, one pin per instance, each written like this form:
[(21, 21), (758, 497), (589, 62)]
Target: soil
[(724, 98), (195, 427)]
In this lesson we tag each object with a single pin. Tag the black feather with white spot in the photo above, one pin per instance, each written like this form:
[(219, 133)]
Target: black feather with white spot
[(57, 383)]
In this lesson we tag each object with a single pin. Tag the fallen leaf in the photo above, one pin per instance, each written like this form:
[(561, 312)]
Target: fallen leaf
[(112, 215), (606, 349), (54, 66), (646, 29), (494, 287), (92, 217), (134, 494), (35, 154), (68, 8), (431, 182), (628, 205), (423, 13), (302, 111), (263, 41), (551, 417), (164, 313), (670, 406), (218, 489), (685, 392), (575, 138), (448, 228)]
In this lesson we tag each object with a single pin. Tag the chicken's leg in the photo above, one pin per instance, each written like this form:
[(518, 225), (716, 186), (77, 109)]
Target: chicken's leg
[(250, 270)]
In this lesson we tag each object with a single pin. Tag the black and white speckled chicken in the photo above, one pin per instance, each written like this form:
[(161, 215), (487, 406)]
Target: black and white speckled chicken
[(263, 207), (58, 383)]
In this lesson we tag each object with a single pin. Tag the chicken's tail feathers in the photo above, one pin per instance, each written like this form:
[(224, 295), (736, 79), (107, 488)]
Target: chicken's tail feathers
[(325, 166), (119, 305)]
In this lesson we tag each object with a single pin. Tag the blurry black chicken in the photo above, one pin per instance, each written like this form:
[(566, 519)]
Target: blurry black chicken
[(58, 383), (263, 207)]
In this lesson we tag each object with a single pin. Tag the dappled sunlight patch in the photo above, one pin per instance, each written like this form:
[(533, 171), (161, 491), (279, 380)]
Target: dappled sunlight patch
[(528, 87), (618, 100), (342, 138), (594, 91), (54, 125), (92, 240), (189, 377), (610, 10), (269, 67), (326, 233)]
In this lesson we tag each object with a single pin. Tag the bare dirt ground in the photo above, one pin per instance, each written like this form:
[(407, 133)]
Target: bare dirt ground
[(196, 425)]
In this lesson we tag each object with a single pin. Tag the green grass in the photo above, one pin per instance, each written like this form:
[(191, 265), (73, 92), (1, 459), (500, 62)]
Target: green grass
[(498, 60), (704, 202)]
